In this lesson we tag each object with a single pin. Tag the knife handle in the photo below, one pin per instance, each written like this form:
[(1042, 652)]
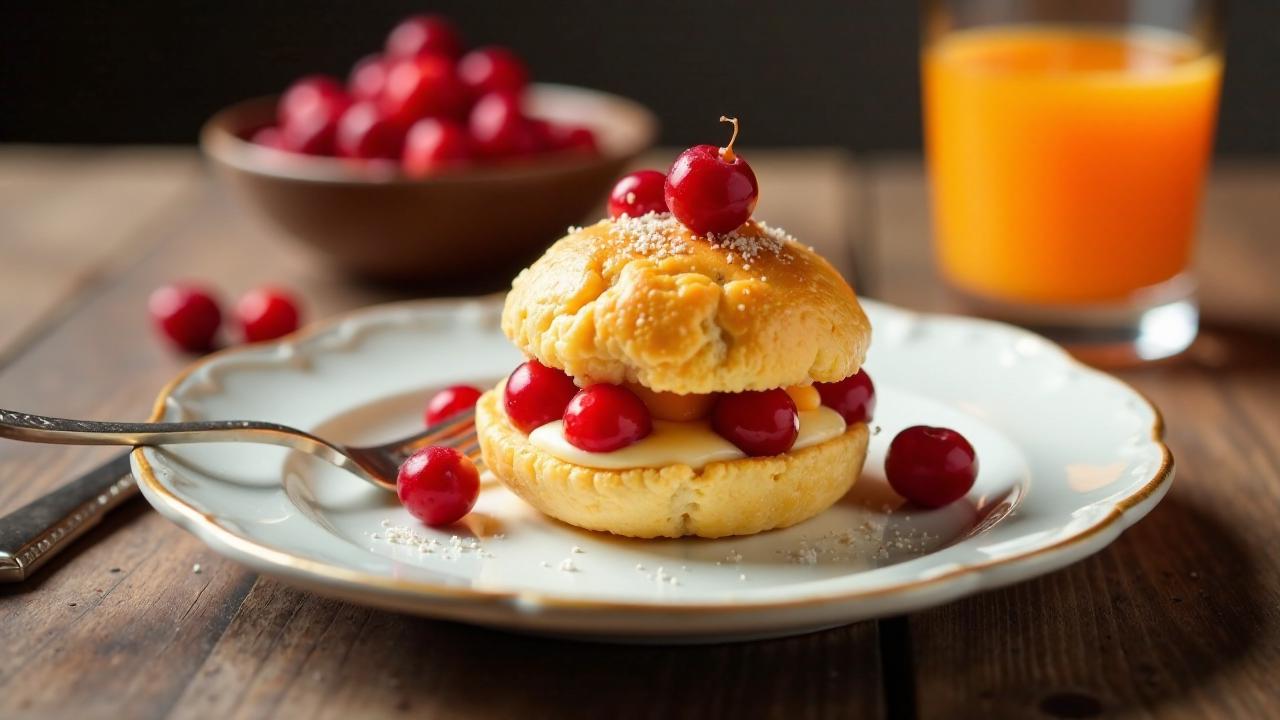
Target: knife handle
[(31, 535)]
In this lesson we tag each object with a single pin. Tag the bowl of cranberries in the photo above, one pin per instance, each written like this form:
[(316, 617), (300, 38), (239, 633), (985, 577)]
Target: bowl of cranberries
[(430, 161)]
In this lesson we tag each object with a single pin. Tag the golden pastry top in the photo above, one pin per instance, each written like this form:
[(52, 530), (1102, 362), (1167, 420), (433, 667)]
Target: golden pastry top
[(644, 300)]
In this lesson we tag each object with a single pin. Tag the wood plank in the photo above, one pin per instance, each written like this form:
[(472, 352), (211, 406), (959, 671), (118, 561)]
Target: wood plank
[(69, 218), (1181, 616), (156, 638), (289, 654)]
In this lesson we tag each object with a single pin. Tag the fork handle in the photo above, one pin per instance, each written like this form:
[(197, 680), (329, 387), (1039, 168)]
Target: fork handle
[(62, 431), (34, 533)]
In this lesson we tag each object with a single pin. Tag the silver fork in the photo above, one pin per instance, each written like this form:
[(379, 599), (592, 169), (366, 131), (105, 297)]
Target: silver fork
[(33, 534)]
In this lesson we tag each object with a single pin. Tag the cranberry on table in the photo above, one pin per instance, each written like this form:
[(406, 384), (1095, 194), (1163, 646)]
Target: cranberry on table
[(853, 397), (364, 132), (266, 314), (187, 315), (759, 422), (368, 78), (931, 466), (603, 418), (449, 402), (536, 394), (435, 144), (499, 128), (424, 35), (422, 87), (638, 193), (492, 69), (438, 485), (711, 189)]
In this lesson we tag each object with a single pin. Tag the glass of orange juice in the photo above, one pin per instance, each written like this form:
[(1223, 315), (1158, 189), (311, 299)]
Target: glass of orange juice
[(1067, 144)]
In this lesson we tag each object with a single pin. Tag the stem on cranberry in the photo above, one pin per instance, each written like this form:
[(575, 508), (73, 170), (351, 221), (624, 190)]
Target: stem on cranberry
[(726, 152)]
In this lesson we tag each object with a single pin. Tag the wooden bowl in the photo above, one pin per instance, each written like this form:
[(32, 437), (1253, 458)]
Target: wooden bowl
[(471, 223)]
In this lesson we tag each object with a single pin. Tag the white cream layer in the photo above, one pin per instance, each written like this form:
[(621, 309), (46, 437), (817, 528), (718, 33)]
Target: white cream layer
[(678, 443)]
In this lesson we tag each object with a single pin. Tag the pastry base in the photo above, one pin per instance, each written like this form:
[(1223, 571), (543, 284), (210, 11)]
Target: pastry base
[(738, 497)]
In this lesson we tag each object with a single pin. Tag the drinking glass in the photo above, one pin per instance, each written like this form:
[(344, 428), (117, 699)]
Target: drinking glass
[(1067, 144)]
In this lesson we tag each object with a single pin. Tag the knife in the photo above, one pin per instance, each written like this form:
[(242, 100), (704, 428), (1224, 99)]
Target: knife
[(34, 533)]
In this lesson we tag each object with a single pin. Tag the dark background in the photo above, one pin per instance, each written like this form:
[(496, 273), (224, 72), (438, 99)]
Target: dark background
[(798, 72)]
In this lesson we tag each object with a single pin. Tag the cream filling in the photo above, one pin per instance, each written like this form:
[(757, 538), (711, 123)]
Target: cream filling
[(678, 443)]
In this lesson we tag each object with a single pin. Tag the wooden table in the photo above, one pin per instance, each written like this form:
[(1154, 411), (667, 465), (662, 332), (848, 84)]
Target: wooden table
[(1179, 618)]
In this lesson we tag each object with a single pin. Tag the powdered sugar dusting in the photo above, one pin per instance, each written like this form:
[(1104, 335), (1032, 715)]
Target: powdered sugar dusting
[(655, 235), (771, 241), (867, 540)]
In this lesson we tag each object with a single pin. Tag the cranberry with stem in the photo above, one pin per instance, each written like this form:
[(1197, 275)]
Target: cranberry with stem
[(712, 190)]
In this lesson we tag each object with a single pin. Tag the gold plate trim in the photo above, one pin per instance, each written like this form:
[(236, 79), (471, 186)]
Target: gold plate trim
[(268, 557)]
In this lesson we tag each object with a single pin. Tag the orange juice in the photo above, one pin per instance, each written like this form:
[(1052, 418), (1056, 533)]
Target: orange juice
[(1066, 165)]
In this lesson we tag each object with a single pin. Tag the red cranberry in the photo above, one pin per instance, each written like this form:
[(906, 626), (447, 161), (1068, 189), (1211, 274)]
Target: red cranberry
[(433, 144), (498, 126), (422, 87), (266, 314), (438, 485), (638, 193), (759, 422), (424, 35), (536, 394), (931, 466), (604, 418), (187, 315), (711, 189), (557, 137), (853, 397), (451, 401), (308, 93), (313, 131), (365, 133), (492, 69), (268, 137), (571, 138), (368, 78)]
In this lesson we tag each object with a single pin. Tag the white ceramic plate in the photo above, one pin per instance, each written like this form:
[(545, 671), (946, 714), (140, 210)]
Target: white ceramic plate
[(1069, 458)]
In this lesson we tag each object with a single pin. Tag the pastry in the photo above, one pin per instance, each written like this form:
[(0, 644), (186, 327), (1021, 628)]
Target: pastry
[(681, 382)]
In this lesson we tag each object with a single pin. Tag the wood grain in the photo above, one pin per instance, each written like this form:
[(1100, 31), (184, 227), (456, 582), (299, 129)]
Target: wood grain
[(1181, 616), (123, 626)]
